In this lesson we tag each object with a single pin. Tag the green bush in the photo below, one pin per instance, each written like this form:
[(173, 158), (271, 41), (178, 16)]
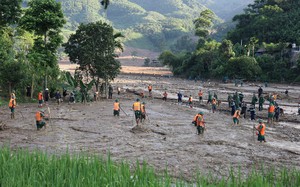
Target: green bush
[(243, 67)]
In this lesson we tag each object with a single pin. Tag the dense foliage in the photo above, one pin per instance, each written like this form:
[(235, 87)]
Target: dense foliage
[(154, 25), (28, 45), (92, 47), (259, 48)]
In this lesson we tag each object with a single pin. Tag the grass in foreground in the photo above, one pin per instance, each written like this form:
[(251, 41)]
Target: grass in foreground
[(24, 168)]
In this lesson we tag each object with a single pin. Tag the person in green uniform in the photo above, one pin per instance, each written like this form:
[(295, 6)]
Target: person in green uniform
[(261, 101), (254, 100)]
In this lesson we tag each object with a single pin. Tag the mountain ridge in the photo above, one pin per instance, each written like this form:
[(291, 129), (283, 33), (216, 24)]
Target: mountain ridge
[(155, 25)]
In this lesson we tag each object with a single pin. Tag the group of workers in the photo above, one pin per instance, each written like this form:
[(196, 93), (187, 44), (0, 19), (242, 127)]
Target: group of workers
[(235, 102), (139, 109), (39, 115)]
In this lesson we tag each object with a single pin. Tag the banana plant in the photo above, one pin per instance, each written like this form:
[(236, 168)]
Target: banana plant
[(85, 88), (71, 80)]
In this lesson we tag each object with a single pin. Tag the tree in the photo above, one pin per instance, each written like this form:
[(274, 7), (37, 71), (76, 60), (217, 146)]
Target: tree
[(203, 25), (269, 21), (243, 67), (92, 47), (147, 62), (10, 12), (45, 18), (105, 3)]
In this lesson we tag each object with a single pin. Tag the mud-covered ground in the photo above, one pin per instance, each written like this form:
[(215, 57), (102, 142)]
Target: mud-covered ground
[(167, 139)]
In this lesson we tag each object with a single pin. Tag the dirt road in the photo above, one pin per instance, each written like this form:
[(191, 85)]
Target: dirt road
[(167, 138)]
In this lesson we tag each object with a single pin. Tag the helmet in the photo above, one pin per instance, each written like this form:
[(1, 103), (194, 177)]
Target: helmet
[(201, 113), (47, 89), (260, 121), (117, 100), (137, 99), (239, 108), (144, 103), (42, 111)]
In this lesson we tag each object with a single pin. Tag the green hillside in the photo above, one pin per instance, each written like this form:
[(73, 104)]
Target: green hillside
[(155, 24)]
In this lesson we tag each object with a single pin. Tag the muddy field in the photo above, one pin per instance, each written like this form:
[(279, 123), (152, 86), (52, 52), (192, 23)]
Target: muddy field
[(167, 138)]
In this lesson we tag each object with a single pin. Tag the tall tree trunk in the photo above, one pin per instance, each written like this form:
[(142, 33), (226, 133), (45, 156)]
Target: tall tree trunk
[(46, 74), (32, 86), (106, 89), (97, 84)]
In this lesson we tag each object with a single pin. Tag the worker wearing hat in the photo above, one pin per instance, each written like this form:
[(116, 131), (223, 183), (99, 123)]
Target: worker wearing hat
[(143, 112), (137, 110), (200, 123), (116, 108), (261, 128), (40, 123)]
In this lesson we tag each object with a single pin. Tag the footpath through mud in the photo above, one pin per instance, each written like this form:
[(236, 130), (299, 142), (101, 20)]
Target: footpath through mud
[(166, 139)]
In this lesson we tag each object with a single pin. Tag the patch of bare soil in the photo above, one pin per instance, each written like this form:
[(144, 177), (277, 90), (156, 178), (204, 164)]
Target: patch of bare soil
[(166, 138)]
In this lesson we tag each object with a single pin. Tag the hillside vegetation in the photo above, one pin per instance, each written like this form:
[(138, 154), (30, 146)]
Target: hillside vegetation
[(155, 24)]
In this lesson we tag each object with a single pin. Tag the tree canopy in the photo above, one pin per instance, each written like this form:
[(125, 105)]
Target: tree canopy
[(92, 47), (270, 21), (10, 12)]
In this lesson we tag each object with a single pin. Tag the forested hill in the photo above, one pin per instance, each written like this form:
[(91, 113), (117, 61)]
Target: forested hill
[(148, 24), (226, 9)]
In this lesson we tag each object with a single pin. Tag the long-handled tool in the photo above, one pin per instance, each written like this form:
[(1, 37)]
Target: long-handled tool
[(50, 117), (253, 133), (123, 111), (22, 115), (148, 118)]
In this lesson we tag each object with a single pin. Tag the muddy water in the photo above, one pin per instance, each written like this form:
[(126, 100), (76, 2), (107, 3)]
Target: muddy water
[(166, 139)]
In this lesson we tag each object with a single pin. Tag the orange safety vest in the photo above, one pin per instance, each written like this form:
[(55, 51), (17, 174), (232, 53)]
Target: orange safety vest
[(40, 96), (236, 114), (136, 106), (200, 121), (262, 130), (200, 94), (38, 116), (272, 109), (142, 108), (214, 101), (196, 117), (12, 103), (116, 106)]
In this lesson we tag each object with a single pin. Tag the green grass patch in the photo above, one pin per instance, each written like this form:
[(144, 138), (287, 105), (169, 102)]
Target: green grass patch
[(24, 168)]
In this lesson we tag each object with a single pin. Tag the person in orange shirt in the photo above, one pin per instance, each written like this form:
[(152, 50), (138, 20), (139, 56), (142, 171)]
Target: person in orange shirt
[(165, 95), (271, 112), (195, 118), (12, 105), (150, 90), (200, 123), (40, 98), (190, 101), (40, 123), (116, 108), (214, 105), (143, 112), (261, 131), (137, 110), (200, 94), (236, 116)]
